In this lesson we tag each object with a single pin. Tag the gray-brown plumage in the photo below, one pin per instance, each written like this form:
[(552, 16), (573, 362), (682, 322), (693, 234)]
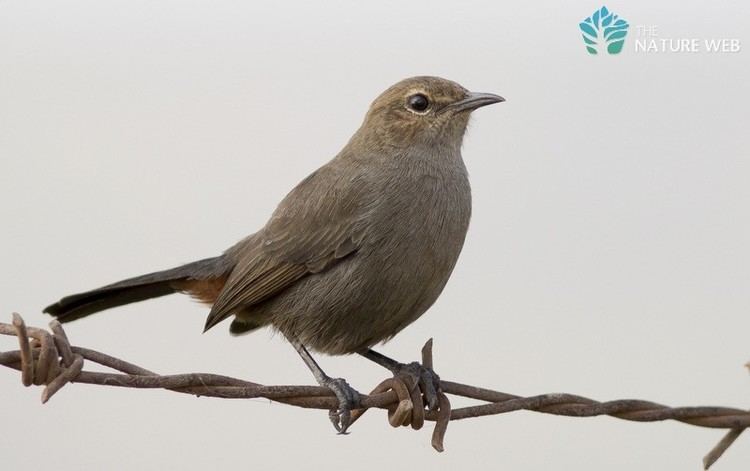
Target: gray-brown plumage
[(355, 252)]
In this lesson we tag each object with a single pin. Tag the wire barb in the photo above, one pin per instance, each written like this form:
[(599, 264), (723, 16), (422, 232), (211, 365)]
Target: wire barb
[(49, 359)]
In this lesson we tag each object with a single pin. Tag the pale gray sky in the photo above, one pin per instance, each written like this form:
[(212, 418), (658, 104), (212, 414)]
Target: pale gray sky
[(608, 253)]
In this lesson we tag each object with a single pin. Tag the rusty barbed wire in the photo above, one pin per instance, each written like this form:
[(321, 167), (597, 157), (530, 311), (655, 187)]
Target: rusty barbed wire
[(48, 358)]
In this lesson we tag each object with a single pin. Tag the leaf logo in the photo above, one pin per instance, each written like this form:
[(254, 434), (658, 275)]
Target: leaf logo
[(604, 27)]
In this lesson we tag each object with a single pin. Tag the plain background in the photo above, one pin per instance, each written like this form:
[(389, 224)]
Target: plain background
[(608, 254)]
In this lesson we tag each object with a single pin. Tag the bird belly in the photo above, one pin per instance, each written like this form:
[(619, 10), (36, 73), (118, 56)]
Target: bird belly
[(383, 287)]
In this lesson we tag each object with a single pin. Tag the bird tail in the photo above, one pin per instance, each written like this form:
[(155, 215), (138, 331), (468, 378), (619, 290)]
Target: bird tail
[(139, 288)]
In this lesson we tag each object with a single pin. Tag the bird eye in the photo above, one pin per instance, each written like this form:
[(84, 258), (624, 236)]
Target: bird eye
[(418, 102)]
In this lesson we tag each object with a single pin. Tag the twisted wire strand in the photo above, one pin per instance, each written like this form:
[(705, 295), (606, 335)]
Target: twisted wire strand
[(47, 358)]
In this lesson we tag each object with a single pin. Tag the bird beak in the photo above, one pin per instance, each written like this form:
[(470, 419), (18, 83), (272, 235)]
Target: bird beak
[(474, 101)]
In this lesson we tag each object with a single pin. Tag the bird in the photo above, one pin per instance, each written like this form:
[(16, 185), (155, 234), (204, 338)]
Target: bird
[(354, 253)]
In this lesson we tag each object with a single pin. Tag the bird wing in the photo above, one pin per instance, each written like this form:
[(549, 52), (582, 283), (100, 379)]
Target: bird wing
[(318, 223)]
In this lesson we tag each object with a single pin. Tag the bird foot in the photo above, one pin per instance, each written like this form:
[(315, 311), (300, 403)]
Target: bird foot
[(426, 378), (348, 398)]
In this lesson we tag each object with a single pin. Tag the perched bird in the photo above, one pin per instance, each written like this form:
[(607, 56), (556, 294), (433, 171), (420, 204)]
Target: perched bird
[(354, 253)]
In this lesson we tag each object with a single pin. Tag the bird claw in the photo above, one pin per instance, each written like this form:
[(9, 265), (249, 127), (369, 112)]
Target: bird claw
[(348, 398), (427, 380)]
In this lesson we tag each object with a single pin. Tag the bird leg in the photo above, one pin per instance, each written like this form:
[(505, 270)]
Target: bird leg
[(426, 378), (348, 397)]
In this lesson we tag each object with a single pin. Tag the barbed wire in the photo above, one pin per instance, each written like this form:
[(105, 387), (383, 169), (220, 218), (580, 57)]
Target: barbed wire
[(47, 358)]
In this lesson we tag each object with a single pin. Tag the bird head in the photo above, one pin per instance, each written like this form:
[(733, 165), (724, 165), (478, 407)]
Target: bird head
[(422, 110)]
